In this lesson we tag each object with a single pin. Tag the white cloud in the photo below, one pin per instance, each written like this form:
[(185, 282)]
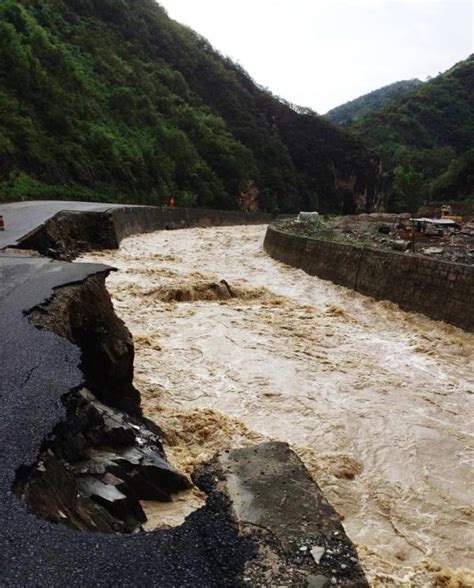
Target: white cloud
[(321, 53)]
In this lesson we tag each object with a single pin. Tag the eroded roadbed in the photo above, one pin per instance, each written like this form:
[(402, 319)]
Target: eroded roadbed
[(53, 341)]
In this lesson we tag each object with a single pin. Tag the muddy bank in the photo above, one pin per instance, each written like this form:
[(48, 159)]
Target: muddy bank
[(375, 400)]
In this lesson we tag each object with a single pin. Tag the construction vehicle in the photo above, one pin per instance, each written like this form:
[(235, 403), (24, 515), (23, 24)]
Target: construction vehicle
[(447, 214)]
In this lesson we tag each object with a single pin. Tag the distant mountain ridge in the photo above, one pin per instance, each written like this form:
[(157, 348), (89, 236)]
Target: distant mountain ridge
[(428, 131), (375, 100), (113, 100)]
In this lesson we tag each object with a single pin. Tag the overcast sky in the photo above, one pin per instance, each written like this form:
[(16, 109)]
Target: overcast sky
[(322, 53)]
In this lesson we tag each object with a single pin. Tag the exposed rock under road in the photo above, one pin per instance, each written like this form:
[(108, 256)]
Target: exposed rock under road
[(99, 465)]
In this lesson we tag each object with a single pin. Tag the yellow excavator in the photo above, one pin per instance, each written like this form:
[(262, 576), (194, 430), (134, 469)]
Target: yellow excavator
[(447, 213)]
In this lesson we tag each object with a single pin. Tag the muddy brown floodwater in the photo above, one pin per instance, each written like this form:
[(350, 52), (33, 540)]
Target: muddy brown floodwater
[(377, 401)]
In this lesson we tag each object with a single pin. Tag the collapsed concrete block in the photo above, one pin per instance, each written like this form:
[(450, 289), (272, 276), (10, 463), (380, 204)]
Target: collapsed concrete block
[(301, 540)]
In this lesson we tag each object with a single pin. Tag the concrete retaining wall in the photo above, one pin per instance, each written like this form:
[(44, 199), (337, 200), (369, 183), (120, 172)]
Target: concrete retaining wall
[(69, 233), (440, 290), (140, 219)]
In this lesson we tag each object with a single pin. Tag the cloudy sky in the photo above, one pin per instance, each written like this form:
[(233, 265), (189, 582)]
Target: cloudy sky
[(321, 53)]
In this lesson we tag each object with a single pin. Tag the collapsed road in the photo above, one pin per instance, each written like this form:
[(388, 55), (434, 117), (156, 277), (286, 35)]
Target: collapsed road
[(235, 348), (22, 218), (78, 456)]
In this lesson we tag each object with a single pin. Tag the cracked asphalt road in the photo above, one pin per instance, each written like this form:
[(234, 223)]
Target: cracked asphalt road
[(36, 369), (23, 217)]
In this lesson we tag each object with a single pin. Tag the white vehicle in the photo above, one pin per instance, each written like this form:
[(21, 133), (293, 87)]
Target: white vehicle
[(311, 217)]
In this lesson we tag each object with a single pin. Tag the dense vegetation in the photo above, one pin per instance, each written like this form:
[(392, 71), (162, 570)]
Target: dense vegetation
[(427, 136), (112, 100), (369, 102)]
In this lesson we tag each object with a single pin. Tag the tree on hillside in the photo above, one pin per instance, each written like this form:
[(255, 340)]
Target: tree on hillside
[(424, 129), (112, 100), (458, 181), (409, 185)]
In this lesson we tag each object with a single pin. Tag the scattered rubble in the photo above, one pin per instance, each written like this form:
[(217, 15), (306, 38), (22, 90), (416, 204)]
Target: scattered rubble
[(317, 552), (454, 243)]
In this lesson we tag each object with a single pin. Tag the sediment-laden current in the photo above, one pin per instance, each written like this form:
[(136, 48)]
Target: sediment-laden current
[(376, 401)]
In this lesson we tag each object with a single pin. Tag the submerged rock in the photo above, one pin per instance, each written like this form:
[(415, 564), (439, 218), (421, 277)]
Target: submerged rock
[(194, 292)]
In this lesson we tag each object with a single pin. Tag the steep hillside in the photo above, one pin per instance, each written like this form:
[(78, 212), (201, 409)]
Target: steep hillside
[(111, 99), (369, 102), (457, 181), (425, 132)]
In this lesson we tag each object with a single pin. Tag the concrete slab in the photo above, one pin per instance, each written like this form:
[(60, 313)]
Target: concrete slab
[(302, 542), (270, 487)]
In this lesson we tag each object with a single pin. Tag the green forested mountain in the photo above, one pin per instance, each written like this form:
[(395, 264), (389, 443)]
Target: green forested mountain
[(112, 100), (457, 182), (427, 133), (369, 102)]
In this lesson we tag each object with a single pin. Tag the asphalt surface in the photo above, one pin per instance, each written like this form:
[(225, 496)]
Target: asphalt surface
[(37, 368), (23, 217)]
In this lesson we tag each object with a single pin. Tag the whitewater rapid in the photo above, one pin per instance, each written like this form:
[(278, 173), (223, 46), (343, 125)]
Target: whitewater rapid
[(377, 401)]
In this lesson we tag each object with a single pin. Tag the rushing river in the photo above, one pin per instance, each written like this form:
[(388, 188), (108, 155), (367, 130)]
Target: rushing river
[(376, 401)]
